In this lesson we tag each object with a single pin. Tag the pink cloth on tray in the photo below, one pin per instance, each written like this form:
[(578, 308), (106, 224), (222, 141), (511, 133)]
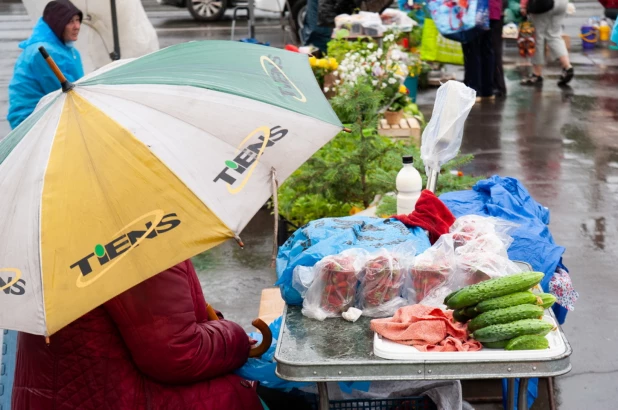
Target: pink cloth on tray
[(427, 328)]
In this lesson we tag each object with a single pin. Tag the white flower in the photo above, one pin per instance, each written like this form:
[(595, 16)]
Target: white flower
[(370, 46), (380, 52), (336, 73), (392, 81), (326, 89), (384, 85), (337, 82), (374, 82)]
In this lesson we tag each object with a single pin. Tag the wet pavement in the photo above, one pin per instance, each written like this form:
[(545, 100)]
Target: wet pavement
[(561, 143)]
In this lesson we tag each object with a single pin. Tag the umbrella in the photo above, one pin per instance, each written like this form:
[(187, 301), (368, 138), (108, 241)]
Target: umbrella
[(143, 164)]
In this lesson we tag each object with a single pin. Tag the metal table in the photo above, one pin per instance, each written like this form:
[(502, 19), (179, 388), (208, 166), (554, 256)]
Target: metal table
[(337, 350)]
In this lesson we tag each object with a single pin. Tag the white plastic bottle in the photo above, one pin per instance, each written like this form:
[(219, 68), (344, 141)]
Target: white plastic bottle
[(409, 186)]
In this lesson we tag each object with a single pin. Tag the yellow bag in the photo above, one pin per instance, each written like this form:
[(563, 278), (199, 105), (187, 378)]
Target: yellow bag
[(434, 47)]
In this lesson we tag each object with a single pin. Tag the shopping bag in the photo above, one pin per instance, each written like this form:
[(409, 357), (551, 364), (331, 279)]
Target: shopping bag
[(453, 16), (481, 24), (526, 41), (436, 47)]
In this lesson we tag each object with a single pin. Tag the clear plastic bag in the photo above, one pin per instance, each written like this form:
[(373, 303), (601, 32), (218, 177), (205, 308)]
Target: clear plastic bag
[(442, 136), (382, 281), (302, 279), (333, 290), (431, 270), (479, 234), (481, 266)]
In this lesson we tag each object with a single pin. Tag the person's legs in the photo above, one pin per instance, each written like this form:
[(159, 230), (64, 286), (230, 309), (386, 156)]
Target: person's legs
[(472, 69), (556, 44), (499, 85), (486, 58)]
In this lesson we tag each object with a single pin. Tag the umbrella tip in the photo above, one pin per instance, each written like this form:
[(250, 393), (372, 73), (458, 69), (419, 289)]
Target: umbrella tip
[(346, 129), (240, 242)]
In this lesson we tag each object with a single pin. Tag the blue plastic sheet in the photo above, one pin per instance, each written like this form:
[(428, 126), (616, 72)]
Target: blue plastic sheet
[(262, 369), (330, 236)]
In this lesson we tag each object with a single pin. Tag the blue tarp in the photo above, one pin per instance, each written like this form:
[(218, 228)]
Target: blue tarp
[(330, 236), (508, 199)]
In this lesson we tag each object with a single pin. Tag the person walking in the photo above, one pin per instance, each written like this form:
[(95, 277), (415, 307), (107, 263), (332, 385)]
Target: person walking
[(57, 31), (548, 29)]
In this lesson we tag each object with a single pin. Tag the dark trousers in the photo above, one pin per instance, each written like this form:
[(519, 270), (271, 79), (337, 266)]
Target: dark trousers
[(495, 27), (479, 64)]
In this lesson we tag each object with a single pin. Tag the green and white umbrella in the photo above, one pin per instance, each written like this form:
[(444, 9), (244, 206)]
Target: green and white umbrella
[(143, 164)]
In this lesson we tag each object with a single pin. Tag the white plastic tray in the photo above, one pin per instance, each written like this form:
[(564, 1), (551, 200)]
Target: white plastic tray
[(387, 349)]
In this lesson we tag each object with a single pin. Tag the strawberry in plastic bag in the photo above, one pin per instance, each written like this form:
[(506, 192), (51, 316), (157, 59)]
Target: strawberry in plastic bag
[(333, 290), (381, 286), (339, 277)]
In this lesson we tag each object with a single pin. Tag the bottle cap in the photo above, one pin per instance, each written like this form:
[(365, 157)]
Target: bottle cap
[(407, 159)]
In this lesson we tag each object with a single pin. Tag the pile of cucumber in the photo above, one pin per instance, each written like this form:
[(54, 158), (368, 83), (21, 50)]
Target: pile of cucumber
[(503, 313)]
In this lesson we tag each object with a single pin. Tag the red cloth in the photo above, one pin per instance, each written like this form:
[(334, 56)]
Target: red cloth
[(427, 328), (430, 214), (152, 347)]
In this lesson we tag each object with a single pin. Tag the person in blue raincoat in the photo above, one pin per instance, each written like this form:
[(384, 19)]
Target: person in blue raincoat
[(32, 78)]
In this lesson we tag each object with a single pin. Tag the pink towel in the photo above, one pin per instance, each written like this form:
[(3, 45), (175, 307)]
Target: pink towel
[(427, 328)]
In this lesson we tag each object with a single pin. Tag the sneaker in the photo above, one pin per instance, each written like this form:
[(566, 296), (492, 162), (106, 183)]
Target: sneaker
[(532, 79), (566, 76)]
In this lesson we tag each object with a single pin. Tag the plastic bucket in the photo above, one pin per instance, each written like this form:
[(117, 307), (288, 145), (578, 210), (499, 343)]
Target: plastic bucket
[(604, 32), (411, 84), (589, 36)]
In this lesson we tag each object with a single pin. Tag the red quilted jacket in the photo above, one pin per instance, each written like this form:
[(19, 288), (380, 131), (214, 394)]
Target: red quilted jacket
[(150, 348)]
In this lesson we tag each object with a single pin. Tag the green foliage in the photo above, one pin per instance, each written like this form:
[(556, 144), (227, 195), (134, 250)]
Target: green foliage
[(400, 102), (339, 47), (354, 167)]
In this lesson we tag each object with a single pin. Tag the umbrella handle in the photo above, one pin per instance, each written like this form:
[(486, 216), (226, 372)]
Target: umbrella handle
[(66, 84), (259, 324)]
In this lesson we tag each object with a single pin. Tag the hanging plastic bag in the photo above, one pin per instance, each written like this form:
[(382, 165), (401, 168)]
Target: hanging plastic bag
[(431, 269), (382, 280), (442, 137), (333, 289)]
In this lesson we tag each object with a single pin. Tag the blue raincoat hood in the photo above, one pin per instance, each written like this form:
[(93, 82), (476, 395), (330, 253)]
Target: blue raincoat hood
[(32, 77)]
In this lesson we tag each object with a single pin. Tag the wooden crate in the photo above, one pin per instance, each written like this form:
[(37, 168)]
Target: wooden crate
[(271, 305), (408, 130)]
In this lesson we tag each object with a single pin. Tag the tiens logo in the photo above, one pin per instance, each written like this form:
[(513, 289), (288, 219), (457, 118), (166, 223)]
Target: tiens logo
[(248, 157), (11, 282), (155, 223), (272, 67)]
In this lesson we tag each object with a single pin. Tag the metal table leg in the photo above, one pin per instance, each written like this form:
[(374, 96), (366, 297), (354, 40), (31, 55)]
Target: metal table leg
[(323, 396), (522, 401), (510, 398)]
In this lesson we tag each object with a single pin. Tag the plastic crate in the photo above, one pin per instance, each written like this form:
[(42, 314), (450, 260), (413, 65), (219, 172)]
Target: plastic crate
[(404, 403)]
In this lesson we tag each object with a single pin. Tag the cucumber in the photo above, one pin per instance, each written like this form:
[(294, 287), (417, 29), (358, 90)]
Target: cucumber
[(500, 344), (514, 299), (506, 315), (471, 312), (473, 294), (450, 295), (547, 300), (528, 342), (511, 330), (460, 316)]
